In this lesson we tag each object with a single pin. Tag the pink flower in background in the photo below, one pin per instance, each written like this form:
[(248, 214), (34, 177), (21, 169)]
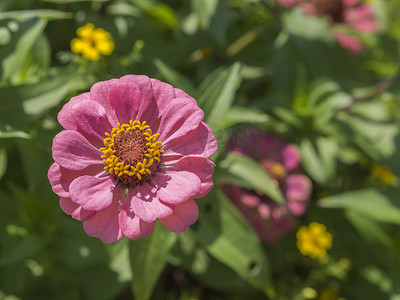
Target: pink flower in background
[(347, 16), (133, 150), (281, 161)]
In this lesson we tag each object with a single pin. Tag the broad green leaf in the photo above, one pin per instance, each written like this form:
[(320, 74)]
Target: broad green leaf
[(205, 9), (175, 78), (119, 260), (163, 14), (148, 257), (8, 132), (47, 14), (15, 52), (230, 240), (3, 161), (319, 158), (371, 230), (218, 97), (369, 202), (376, 138), (246, 172), (236, 115), (308, 27), (21, 104)]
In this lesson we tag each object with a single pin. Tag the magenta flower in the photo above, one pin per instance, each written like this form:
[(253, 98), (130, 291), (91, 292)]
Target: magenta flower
[(281, 161), (347, 16), (133, 150)]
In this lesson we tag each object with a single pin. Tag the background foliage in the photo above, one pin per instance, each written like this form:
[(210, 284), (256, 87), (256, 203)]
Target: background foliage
[(248, 63)]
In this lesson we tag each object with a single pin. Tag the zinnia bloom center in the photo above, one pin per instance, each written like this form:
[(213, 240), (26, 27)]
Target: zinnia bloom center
[(132, 152), (332, 8)]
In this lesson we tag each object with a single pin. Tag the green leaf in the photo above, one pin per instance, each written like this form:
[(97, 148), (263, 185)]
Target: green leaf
[(46, 14), (218, 97), (15, 52), (148, 259), (236, 115), (371, 230), (205, 9), (3, 161), (308, 27), (246, 172), (8, 132), (230, 240), (369, 202), (24, 103), (119, 260), (175, 78), (319, 158)]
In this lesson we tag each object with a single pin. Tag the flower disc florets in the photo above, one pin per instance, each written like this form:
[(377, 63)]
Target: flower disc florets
[(132, 152)]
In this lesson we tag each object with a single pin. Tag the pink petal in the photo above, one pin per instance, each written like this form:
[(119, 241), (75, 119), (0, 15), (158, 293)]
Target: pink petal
[(163, 93), (200, 141), (298, 190), (131, 225), (184, 215), (125, 99), (291, 157), (74, 210), (349, 42), (179, 118), (65, 117), (181, 94), (72, 151), (91, 120), (99, 93), (148, 110), (92, 193), (176, 187), (201, 166), (145, 204), (61, 178), (104, 224), (249, 199)]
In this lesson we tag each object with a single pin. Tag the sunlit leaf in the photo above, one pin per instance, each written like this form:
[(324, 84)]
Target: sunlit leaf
[(217, 98), (246, 172), (369, 202), (148, 257), (229, 239)]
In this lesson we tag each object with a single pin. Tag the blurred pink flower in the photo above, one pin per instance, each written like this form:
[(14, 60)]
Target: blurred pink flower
[(351, 15), (281, 161), (133, 150)]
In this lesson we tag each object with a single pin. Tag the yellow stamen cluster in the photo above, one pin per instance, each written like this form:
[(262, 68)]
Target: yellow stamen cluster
[(91, 42), (313, 240), (131, 150)]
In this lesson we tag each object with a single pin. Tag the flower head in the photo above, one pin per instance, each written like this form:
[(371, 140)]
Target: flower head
[(313, 240), (133, 150), (91, 42), (281, 161), (346, 16)]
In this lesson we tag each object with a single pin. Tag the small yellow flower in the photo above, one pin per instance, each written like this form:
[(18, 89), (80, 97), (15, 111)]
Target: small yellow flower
[(383, 173), (92, 42), (313, 240)]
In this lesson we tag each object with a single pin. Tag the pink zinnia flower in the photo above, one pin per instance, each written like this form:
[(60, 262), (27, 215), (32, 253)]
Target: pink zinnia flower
[(281, 161), (133, 150), (355, 15)]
